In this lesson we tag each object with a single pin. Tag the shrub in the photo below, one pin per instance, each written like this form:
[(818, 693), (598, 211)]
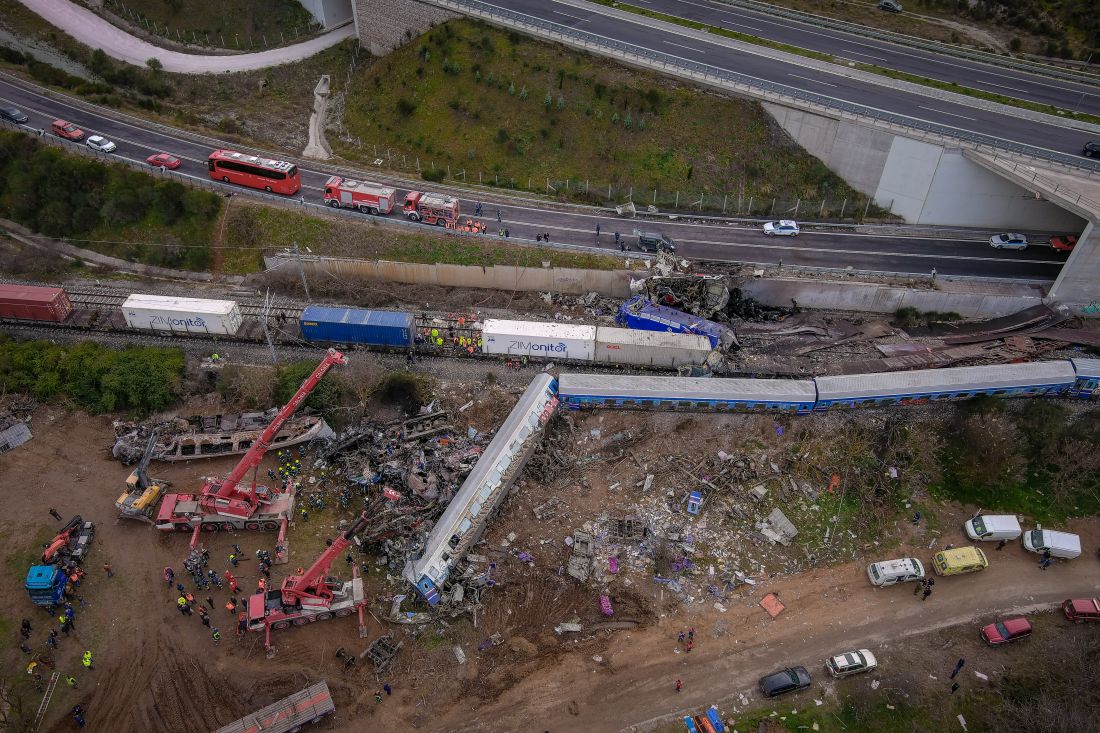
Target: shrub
[(325, 396), (100, 379), (435, 175), (405, 107)]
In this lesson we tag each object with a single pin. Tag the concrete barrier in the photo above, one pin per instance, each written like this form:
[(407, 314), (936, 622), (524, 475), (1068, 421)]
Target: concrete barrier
[(876, 298), (563, 280)]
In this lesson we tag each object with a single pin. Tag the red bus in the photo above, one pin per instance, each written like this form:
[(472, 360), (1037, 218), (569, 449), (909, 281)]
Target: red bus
[(248, 170)]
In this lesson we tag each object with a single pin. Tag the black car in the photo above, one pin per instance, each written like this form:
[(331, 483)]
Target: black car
[(890, 6), (1092, 147), (785, 680), (654, 242), (13, 114)]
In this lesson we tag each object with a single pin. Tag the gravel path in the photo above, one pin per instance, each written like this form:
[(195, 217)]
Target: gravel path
[(88, 28)]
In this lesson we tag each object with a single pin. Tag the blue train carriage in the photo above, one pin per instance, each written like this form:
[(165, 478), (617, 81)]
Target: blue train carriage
[(921, 386), (642, 314), (326, 324), (686, 393), (1086, 386)]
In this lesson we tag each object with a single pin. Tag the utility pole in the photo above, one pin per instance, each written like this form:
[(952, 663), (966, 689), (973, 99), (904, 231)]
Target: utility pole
[(264, 323), (301, 270)]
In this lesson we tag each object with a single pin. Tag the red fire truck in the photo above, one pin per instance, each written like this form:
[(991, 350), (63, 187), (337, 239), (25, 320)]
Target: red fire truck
[(369, 198), (431, 208)]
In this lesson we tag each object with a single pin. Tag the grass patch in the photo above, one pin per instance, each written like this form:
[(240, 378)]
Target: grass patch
[(512, 111), (219, 20), (1036, 459), (253, 228)]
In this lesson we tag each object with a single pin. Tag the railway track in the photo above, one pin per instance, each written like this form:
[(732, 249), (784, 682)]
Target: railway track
[(95, 298)]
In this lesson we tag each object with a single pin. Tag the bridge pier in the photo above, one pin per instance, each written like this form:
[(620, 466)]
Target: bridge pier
[(1079, 281), (384, 25)]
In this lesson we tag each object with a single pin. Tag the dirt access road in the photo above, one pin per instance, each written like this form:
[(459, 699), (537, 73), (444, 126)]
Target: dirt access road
[(156, 670), (828, 611)]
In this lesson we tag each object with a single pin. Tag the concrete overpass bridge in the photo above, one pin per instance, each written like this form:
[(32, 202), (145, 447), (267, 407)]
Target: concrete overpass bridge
[(1003, 167)]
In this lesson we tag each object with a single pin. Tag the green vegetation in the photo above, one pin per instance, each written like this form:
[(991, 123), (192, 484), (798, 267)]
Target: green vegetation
[(515, 112), (1037, 460), (97, 378), (108, 208), (145, 88), (220, 21), (250, 228), (909, 317), (324, 397)]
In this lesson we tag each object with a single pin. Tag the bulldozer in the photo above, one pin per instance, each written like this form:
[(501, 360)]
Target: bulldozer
[(139, 500)]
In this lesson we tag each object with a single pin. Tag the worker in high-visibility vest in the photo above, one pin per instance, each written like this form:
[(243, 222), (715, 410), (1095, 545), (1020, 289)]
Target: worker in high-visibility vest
[(216, 635), (87, 660)]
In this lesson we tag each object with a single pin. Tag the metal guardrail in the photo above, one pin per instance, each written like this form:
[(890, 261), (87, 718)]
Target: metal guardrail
[(1029, 173), (760, 88), (944, 49)]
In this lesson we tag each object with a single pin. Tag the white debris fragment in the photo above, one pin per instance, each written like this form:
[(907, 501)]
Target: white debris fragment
[(459, 654)]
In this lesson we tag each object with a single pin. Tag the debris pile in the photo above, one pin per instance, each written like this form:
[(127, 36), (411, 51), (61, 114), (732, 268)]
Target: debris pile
[(404, 472)]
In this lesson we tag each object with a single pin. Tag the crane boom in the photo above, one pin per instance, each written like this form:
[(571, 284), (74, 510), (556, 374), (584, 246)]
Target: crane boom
[(310, 584), (216, 494)]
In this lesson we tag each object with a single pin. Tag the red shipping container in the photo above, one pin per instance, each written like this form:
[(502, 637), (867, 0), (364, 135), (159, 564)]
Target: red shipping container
[(33, 303)]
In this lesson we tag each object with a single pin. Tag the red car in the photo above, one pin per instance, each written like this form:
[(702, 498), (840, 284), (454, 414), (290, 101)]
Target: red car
[(1063, 244), (166, 160), (1081, 609), (1005, 631), (67, 130)]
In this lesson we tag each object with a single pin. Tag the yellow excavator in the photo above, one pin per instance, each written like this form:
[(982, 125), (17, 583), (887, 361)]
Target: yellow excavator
[(142, 493)]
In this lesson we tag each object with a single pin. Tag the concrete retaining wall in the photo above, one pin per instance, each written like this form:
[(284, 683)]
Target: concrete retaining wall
[(384, 25), (922, 182), (563, 280), (874, 298)]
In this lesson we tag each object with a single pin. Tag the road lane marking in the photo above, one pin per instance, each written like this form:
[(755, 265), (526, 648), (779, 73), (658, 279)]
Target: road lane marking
[(941, 112), (815, 81), (689, 48), (567, 15), (859, 53)]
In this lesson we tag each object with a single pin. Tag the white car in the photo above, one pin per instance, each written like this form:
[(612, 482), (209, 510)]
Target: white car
[(102, 144), (1008, 240), (850, 663), (785, 228)]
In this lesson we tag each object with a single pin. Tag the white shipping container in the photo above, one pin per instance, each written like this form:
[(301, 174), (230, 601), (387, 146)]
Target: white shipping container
[(186, 315), (544, 340), (657, 349)]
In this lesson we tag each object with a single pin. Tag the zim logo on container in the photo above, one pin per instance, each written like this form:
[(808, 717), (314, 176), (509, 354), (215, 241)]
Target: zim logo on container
[(171, 322), (559, 347)]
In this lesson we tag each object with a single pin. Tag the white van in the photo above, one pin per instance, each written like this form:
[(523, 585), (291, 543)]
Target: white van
[(993, 527), (889, 572), (1059, 544)]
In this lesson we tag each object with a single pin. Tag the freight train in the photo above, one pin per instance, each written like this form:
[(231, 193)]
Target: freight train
[(396, 331), (577, 343)]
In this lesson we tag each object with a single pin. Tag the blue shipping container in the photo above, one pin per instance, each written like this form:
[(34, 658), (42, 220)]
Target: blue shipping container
[(641, 314), (357, 326)]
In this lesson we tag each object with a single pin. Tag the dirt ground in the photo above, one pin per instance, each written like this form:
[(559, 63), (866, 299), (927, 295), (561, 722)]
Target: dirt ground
[(156, 670)]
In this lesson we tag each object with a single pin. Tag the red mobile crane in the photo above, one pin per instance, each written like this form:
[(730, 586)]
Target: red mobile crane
[(224, 505), (312, 595)]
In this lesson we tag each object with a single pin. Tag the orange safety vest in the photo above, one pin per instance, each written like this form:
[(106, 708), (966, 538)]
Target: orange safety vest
[(263, 584), (229, 606)]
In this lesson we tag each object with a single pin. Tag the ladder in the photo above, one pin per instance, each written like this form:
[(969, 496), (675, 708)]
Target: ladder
[(45, 701)]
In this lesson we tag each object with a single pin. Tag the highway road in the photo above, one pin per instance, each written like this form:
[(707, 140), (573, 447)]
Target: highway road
[(639, 31), (995, 79), (713, 241)]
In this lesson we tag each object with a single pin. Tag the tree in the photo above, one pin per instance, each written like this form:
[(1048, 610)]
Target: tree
[(154, 65)]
